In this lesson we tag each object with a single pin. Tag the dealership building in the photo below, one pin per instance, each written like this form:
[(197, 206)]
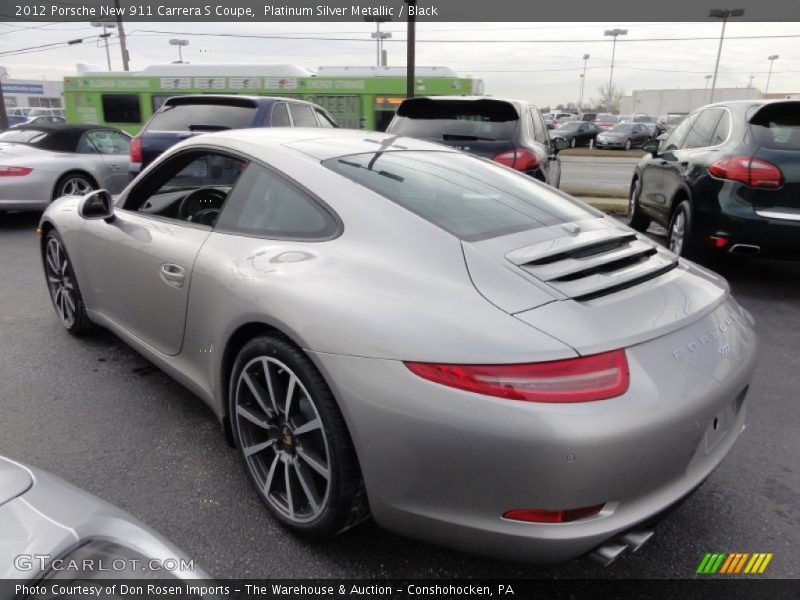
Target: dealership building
[(659, 102), (31, 92)]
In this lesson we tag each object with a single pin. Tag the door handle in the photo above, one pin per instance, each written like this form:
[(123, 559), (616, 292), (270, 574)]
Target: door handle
[(173, 275)]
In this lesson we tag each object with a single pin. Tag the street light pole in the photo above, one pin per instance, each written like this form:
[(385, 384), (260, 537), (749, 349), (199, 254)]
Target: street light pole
[(723, 14), (707, 78), (105, 35), (771, 58), (179, 44), (615, 33), (411, 43), (583, 82)]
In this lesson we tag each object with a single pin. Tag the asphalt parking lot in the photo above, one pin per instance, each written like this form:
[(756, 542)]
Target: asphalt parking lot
[(100, 416), (602, 173)]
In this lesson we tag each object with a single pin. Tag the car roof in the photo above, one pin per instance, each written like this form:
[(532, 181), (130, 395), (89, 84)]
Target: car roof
[(316, 142), (514, 101), (233, 98)]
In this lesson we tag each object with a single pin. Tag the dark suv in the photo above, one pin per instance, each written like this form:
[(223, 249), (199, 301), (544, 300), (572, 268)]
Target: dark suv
[(181, 117), (509, 132), (726, 180)]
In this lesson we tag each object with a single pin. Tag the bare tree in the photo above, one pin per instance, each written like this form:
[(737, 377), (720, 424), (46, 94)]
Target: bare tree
[(609, 97)]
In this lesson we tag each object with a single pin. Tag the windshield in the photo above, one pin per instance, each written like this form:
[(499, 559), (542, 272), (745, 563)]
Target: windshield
[(624, 128), (489, 120), (471, 198), (571, 126), (201, 117)]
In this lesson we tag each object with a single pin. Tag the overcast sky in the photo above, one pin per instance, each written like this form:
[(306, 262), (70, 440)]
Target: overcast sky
[(545, 73)]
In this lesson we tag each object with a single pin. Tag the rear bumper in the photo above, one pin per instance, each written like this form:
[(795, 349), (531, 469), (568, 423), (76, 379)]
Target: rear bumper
[(444, 465)]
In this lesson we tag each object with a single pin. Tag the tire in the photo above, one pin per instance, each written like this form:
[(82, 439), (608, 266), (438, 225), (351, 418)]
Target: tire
[(63, 286), (628, 145), (636, 217), (679, 232), (309, 481), (74, 184), (573, 142)]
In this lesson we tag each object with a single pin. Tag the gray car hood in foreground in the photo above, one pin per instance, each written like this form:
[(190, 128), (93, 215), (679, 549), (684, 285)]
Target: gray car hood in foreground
[(14, 480), (593, 284)]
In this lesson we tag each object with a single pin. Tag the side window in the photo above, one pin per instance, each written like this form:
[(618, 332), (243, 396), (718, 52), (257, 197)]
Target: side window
[(190, 186), (105, 141), (302, 115), (703, 128), (121, 108), (538, 126), (266, 205), (673, 142), (280, 116), (722, 130), (323, 119)]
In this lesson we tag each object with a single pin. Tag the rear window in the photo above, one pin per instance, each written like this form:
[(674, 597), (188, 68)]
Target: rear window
[(201, 117), (471, 198), (456, 119), (777, 126)]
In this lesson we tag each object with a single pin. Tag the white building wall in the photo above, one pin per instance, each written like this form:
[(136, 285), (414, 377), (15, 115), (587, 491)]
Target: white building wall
[(659, 102), (31, 92)]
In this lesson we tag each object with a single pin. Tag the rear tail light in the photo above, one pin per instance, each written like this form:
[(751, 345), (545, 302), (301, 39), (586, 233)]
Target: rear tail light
[(535, 515), (6, 171), (136, 149), (583, 379), (519, 159), (748, 170)]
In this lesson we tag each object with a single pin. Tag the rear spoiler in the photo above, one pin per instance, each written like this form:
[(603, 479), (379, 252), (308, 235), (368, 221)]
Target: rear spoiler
[(226, 100)]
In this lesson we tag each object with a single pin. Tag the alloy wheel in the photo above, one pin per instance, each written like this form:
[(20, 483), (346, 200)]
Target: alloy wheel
[(283, 440), (60, 282), (677, 233), (75, 186)]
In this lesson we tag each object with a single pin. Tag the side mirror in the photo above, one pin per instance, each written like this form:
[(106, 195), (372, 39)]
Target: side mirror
[(651, 146), (558, 144), (97, 205)]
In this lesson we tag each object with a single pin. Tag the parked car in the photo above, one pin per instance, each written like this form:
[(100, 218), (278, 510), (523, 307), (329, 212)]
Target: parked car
[(726, 180), (651, 123), (55, 531), (576, 133), (670, 121), (404, 330), (606, 121), (624, 135), (589, 117), (41, 162), (510, 132), (182, 117), (555, 118), (43, 120)]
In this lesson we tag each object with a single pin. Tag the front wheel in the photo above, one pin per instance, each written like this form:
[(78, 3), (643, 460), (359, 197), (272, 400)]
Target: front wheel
[(293, 440), (63, 286)]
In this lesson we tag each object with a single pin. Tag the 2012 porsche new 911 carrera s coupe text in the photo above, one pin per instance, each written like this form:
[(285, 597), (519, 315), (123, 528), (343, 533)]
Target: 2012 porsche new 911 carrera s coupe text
[(393, 328)]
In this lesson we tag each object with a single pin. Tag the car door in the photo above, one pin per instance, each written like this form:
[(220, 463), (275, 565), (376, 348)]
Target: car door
[(139, 266), (114, 149), (656, 173)]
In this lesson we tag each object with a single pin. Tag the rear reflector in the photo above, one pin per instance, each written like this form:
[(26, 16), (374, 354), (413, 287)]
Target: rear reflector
[(583, 379), (534, 515), (136, 150), (6, 171), (748, 170), (519, 159), (718, 241)]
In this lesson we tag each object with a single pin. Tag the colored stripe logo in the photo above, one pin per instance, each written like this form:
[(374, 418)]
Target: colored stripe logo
[(734, 563)]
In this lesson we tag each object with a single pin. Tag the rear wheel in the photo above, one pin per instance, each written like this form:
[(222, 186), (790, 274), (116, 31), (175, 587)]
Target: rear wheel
[(636, 217), (679, 234), (573, 142), (63, 286), (293, 440), (74, 184), (627, 144)]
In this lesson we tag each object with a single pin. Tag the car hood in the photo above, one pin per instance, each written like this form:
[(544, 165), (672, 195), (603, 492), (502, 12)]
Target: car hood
[(15, 480), (614, 134), (27, 152), (593, 284)]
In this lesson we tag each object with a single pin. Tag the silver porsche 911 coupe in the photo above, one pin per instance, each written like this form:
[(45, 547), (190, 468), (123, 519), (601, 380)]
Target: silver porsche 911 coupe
[(393, 328)]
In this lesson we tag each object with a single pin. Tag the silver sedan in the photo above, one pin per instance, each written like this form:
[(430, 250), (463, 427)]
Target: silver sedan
[(392, 328), (41, 162)]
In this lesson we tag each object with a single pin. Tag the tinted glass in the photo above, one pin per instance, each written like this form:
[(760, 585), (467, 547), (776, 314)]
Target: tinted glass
[(776, 126), (280, 116), (539, 128), (266, 205), (673, 142), (201, 117), (722, 129), (700, 134), (323, 119), (302, 115), (121, 108), (469, 197), (456, 119)]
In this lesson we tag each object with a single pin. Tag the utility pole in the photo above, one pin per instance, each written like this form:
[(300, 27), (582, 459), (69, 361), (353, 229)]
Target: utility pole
[(105, 36), (723, 14), (615, 33), (583, 82), (771, 58), (411, 40), (123, 45)]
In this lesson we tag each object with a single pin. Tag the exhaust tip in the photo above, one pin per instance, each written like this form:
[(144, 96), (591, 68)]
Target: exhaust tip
[(637, 539), (607, 553), (745, 249)]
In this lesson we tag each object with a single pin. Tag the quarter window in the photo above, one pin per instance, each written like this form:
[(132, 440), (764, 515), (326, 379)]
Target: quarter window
[(302, 115), (722, 130), (280, 116), (703, 128), (264, 204), (121, 108), (323, 119)]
